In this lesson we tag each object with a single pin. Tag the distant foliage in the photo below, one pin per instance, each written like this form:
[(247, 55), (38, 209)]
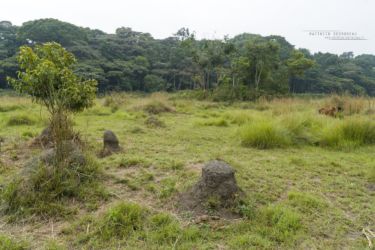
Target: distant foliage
[(240, 68)]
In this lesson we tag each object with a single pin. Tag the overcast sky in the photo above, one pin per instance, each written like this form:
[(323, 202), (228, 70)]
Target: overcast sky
[(216, 18)]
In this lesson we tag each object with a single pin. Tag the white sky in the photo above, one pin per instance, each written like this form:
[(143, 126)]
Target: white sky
[(214, 18)]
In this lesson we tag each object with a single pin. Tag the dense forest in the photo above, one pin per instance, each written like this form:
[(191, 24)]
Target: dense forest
[(240, 67)]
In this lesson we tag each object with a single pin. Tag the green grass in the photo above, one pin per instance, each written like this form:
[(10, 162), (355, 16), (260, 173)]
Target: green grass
[(133, 161), (218, 122), (9, 108), (20, 120), (300, 193), (136, 227), (305, 202), (8, 243)]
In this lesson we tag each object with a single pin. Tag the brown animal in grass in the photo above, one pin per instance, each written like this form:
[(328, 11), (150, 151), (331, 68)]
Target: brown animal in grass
[(332, 111)]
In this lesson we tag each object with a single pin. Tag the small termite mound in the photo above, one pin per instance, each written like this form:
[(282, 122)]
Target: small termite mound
[(110, 144)]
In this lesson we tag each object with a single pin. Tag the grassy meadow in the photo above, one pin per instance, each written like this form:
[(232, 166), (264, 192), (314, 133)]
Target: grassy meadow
[(309, 179)]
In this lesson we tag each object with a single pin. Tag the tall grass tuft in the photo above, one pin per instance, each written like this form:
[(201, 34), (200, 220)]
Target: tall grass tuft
[(121, 221), (238, 117), (264, 135), (303, 129), (349, 133)]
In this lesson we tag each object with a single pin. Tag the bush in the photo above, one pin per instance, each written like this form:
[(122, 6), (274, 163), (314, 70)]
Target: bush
[(20, 120), (349, 133), (264, 135)]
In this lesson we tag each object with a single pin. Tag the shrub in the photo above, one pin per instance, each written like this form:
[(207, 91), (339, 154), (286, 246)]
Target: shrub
[(20, 120), (264, 135)]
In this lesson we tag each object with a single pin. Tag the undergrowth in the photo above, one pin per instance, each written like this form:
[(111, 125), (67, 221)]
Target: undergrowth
[(45, 190)]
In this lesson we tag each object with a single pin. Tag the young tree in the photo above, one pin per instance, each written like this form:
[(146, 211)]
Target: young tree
[(46, 75)]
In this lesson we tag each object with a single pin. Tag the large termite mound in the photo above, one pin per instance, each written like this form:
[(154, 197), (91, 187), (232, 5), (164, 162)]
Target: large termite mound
[(216, 190)]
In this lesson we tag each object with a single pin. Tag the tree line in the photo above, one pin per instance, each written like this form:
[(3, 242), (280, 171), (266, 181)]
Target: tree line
[(242, 67)]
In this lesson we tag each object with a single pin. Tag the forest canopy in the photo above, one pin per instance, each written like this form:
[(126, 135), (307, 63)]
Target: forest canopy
[(244, 66)]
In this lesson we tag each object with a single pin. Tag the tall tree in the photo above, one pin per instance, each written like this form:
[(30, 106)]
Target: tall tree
[(297, 65)]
